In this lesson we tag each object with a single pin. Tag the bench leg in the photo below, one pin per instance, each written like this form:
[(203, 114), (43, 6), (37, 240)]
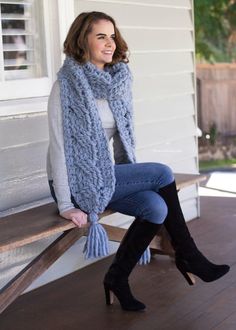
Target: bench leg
[(38, 266), (159, 245)]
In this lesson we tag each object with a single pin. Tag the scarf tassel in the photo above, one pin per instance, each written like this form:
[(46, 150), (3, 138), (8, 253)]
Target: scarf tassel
[(146, 257), (97, 240)]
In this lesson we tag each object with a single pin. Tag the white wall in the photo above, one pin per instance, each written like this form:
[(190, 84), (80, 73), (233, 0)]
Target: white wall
[(23, 126)]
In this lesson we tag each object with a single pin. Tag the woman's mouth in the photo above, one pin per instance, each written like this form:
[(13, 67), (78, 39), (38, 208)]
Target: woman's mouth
[(108, 52)]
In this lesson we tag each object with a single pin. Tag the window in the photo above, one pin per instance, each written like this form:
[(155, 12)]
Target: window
[(26, 48), (23, 47), (22, 40)]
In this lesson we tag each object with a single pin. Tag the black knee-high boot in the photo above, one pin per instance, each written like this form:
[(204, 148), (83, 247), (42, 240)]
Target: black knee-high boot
[(189, 260), (134, 243)]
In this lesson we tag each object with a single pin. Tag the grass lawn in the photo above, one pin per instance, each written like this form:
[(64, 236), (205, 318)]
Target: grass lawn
[(214, 164)]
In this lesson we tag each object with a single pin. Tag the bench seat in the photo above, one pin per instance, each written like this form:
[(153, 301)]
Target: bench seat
[(44, 221)]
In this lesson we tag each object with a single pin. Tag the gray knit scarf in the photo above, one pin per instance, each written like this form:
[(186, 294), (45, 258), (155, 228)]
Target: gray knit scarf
[(88, 159)]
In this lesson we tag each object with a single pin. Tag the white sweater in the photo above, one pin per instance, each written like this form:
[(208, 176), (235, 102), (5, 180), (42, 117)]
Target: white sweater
[(56, 163)]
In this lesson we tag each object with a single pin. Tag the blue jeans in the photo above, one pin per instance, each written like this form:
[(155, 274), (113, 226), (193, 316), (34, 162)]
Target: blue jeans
[(136, 190)]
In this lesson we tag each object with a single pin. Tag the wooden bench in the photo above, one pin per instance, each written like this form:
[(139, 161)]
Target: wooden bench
[(44, 221)]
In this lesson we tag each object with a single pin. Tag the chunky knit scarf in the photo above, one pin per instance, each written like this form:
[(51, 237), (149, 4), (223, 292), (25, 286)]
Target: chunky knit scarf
[(88, 159)]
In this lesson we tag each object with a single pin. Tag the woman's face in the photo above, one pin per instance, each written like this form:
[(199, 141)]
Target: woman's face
[(101, 43)]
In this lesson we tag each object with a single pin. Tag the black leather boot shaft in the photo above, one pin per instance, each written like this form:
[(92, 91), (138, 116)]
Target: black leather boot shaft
[(175, 223), (188, 258), (134, 243), (136, 240)]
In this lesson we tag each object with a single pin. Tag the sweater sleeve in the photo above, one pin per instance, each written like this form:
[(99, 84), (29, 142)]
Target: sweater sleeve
[(56, 151)]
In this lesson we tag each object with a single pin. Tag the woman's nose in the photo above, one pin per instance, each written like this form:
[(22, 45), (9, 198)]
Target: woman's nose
[(108, 42)]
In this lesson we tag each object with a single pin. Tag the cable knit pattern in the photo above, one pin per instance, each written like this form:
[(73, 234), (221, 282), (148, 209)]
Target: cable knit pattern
[(89, 163)]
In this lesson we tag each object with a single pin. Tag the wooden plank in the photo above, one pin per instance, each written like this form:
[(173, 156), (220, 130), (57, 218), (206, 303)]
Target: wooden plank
[(23, 190), (163, 109), (168, 86), (40, 222), (44, 221), (30, 128), (185, 180), (159, 245), (153, 132), (169, 3), (217, 85), (37, 267), (115, 234), (168, 40), (152, 16), (187, 164), (166, 152), (28, 226), (16, 162)]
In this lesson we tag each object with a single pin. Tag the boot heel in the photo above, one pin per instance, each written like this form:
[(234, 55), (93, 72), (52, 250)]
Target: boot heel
[(109, 295), (189, 278), (187, 275)]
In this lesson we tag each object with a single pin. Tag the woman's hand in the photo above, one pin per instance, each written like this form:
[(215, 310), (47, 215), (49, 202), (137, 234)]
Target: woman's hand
[(77, 216)]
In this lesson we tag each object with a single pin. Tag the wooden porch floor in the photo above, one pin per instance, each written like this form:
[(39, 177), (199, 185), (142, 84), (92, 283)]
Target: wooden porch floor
[(77, 300)]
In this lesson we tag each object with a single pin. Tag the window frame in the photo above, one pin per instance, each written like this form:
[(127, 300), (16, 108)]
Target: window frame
[(13, 92)]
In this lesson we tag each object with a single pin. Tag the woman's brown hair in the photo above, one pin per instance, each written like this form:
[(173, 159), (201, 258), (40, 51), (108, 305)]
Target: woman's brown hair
[(76, 44)]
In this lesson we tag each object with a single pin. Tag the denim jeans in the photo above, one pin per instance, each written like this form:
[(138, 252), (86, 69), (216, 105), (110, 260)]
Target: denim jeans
[(136, 190)]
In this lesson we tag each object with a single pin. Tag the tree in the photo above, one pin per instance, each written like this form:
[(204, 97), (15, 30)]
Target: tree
[(215, 30)]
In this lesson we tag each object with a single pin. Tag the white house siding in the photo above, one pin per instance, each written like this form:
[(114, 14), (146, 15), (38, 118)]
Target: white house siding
[(23, 144), (160, 37)]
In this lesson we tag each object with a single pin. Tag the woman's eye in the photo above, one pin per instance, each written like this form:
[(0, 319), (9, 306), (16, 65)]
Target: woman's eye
[(102, 37)]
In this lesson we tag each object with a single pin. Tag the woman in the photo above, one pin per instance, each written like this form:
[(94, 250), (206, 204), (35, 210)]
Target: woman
[(90, 103)]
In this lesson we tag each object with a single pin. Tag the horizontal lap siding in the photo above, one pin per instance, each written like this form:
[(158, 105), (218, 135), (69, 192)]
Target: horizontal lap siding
[(170, 151), (149, 87), (23, 180), (23, 147), (143, 15), (166, 3), (184, 106), (23, 129), (166, 63), (18, 164), (158, 40)]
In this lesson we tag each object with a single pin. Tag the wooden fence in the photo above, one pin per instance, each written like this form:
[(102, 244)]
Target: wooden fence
[(216, 84)]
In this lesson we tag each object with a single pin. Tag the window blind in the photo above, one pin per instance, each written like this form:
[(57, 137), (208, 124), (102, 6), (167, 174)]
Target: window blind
[(20, 39)]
